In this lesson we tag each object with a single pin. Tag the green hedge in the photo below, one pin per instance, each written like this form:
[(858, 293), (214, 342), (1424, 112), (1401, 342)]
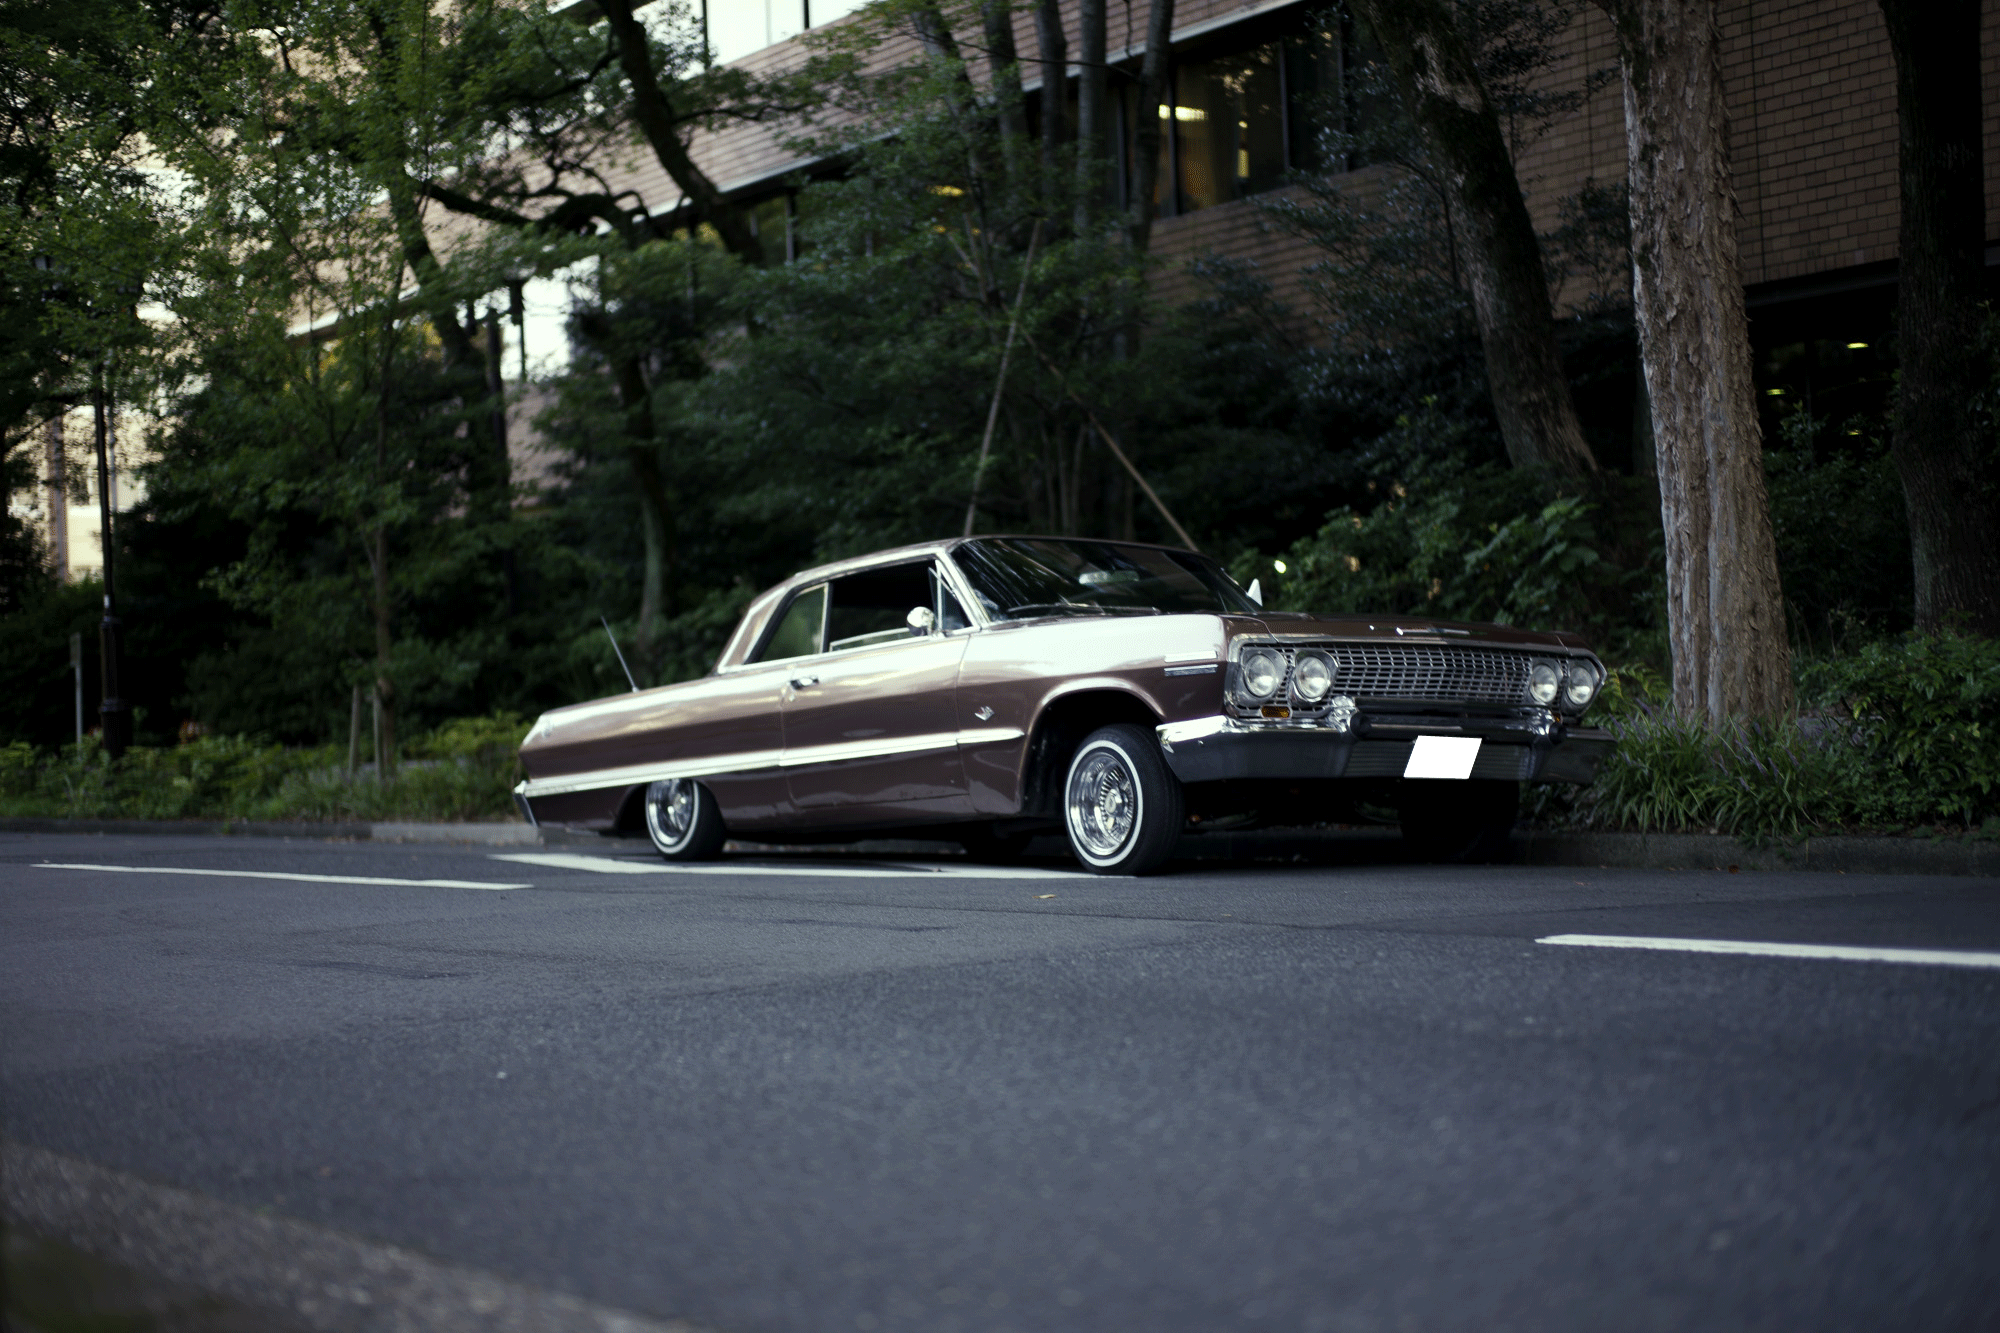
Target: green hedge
[(464, 770), (1897, 735)]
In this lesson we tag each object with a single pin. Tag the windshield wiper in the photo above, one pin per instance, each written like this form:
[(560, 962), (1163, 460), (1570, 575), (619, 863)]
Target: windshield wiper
[(1086, 608)]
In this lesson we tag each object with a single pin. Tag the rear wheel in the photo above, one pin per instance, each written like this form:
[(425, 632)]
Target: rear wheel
[(1122, 805), (683, 821), (1458, 821)]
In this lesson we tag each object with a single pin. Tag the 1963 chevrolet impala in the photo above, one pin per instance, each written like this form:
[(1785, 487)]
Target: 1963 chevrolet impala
[(989, 688)]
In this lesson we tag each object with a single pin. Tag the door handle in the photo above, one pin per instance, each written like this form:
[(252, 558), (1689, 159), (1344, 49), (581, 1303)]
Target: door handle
[(804, 682)]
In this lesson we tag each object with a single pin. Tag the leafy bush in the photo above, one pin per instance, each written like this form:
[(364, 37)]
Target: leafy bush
[(1675, 773), (464, 770), (1483, 544), (1926, 710), (1897, 735), (1842, 533)]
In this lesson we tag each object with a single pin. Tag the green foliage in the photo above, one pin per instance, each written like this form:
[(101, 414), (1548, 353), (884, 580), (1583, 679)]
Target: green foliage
[(1675, 773), (1842, 532), (1481, 544), (37, 687), (464, 770), (1926, 713), (1904, 734)]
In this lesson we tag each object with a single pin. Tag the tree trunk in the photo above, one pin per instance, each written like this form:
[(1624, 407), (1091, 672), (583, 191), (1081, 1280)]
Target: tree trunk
[(1092, 104), (378, 568), (58, 483), (1003, 65), (1154, 72), (1435, 70), (642, 446), (1055, 83), (655, 117), (1725, 614), (1942, 446)]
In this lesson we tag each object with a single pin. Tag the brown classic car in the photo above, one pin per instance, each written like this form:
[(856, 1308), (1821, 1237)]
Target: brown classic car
[(993, 687)]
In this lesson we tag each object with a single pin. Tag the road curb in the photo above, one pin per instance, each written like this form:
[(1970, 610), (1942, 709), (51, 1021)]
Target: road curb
[(330, 830), (1848, 854), (205, 828)]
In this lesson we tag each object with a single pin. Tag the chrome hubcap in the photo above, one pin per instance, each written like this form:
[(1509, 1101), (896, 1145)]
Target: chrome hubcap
[(670, 811), (1103, 803)]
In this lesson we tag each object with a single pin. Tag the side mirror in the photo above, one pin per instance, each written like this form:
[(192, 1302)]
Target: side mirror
[(1256, 591), (921, 620)]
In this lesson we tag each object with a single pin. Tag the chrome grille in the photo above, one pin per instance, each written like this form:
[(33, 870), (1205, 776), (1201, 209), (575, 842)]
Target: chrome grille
[(1421, 672), (1424, 671)]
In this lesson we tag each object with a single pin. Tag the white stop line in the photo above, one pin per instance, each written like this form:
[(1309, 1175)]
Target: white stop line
[(1851, 953), (286, 874)]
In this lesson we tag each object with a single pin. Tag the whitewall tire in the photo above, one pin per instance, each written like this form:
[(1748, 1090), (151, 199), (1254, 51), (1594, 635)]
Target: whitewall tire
[(683, 821), (1122, 805)]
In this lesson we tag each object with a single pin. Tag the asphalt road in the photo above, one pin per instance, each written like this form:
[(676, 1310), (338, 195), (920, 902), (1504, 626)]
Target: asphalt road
[(864, 1095)]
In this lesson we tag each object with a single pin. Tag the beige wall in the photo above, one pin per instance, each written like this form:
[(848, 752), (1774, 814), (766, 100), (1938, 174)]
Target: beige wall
[(76, 542)]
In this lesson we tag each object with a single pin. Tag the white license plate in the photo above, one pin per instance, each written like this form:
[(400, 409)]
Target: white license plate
[(1442, 757)]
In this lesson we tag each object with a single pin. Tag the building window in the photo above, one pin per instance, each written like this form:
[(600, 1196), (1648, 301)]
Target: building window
[(1228, 127), (736, 28), (1241, 120)]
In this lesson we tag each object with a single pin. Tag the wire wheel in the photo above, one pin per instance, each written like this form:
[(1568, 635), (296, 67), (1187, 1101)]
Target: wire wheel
[(1104, 803), (682, 820)]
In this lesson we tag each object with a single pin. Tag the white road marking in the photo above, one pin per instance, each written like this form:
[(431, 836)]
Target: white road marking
[(1851, 953), (605, 865), (286, 874)]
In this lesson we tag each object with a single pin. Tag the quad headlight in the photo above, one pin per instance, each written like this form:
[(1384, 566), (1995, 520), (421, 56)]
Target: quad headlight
[(1544, 681), (1261, 671), (1312, 676), (1580, 683)]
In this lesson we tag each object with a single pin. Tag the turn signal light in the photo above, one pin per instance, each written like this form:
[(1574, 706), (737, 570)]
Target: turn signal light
[(1276, 710)]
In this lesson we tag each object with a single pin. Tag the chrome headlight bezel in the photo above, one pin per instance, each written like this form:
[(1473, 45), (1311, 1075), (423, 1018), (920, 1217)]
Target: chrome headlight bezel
[(1544, 683), (1312, 676), (1249, 662), (1581, 674)]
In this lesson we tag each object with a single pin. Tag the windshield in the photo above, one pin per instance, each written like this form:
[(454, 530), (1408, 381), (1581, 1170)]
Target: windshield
[(1020, 578)]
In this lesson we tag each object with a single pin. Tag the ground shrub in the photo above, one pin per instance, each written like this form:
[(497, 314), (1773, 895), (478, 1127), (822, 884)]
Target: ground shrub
[(1897, 735), (463, 770)]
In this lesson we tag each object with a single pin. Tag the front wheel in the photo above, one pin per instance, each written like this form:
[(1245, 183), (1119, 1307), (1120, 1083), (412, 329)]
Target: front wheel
[(683, 821), (1121, 804)]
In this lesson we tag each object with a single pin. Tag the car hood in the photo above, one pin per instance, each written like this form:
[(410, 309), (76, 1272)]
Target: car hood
[(1400, 629)]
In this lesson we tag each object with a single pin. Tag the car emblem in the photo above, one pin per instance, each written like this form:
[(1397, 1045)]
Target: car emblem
[(983, 713)]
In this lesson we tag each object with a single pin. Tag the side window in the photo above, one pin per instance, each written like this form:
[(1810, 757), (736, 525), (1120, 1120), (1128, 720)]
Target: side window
[(950, 615), (874, 606), (798, 631)]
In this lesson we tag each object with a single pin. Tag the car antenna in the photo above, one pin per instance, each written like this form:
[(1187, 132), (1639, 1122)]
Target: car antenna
[(621, 656)]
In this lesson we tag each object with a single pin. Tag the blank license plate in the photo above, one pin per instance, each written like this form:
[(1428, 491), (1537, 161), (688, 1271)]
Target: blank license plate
[(1442, 757)]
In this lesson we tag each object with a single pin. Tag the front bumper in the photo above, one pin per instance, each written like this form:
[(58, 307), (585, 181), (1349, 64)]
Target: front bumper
[(1217, 749)]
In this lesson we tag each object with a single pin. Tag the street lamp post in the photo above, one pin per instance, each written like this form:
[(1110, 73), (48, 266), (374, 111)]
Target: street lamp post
[(114, 714)]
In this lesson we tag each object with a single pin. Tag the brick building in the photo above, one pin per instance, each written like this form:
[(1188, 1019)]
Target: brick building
[(1811, 89)]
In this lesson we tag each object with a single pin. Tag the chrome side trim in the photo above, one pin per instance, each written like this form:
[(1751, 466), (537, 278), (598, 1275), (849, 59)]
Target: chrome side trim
[(631, 775), (754, 761), (841, 751), (990, 735)]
